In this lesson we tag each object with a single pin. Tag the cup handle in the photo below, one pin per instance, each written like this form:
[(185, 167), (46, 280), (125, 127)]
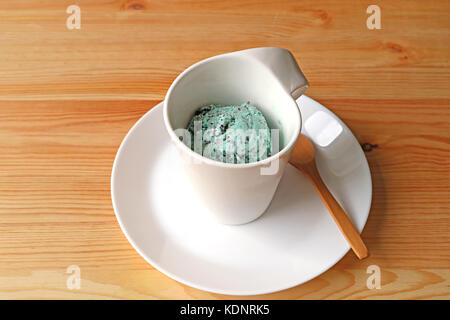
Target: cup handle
[(283, 65)]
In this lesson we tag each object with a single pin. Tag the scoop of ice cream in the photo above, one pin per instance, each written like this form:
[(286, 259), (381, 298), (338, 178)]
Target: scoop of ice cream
[(231, 134)]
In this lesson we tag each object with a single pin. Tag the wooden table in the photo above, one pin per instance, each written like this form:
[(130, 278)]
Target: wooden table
[(68, 97)]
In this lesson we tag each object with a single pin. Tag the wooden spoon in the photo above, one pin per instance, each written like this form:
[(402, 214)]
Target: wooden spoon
[(303, 159)]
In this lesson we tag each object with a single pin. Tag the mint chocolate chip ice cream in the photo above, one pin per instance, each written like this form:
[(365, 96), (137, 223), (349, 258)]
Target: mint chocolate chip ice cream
[(231, 134)]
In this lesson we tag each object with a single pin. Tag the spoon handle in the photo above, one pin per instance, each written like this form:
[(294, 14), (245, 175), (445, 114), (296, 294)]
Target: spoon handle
[(338, 214)]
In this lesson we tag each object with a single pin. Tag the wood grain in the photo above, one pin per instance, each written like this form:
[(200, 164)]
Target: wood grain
[(68, 97)]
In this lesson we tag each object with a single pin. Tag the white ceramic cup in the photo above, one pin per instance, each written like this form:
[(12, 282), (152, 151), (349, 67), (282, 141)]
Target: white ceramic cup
[(270, 79)]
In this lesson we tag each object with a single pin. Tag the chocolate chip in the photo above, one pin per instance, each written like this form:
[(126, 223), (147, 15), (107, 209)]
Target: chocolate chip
[(203, 110)]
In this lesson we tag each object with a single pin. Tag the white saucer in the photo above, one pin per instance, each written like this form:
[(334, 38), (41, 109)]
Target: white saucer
[(294, 241)]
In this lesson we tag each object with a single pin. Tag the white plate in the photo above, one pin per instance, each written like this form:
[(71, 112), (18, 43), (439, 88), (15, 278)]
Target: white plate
[(294, 241)]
